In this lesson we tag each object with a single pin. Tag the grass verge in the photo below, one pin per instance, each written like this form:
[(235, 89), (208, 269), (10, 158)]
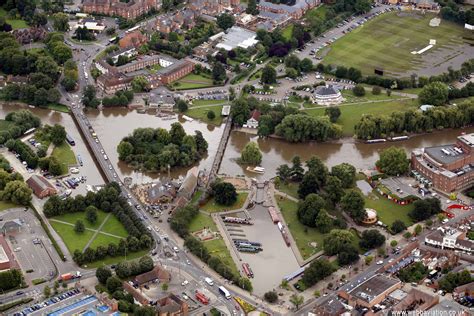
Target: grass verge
[(65, 155)]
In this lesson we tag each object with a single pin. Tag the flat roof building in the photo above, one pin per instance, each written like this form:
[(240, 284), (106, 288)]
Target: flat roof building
[(238, 37), (4, 260), (447, 168), (372, 291)]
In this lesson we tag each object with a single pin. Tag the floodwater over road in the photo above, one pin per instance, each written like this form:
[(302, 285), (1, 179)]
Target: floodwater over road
[(111, 125), (52, 117), (361, 155)]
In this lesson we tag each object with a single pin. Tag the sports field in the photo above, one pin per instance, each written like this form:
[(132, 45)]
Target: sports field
[(388, 40), (111, 232)]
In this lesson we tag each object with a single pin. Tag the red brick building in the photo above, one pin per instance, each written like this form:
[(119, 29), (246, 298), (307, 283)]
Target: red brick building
[(447, 168), (40, 186), (133, 39), (130, 10)]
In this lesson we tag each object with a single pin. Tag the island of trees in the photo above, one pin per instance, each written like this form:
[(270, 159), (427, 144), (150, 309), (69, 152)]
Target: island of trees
[(156, 149)]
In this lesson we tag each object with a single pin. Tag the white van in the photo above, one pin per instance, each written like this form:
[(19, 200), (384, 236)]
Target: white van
[(209, 281), (105, 157)]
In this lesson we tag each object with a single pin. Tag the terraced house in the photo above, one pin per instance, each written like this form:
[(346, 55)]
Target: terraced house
[(127, 10)]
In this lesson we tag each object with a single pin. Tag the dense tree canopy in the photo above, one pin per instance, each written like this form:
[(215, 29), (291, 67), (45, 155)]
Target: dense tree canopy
[(424, 209), (224, 193), (393, 161), (309, 209), (344, 172), (301, 128), (251, 154), (158, 149), (435, 93), (353, 204), (371, 238)]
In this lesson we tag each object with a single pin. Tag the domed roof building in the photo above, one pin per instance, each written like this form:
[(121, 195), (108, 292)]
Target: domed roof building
[(327, 95), (370, 216)]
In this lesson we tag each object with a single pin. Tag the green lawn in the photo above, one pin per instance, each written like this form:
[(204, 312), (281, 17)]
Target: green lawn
[(201, 221), (201, 114), (65, 155), (290, 188), (351, 98), (351, 113), (212, 207), (388, 211), (196, 197), (5, 125), (15, 23), (388, 40), (288, 32), (256, 75), (218, 248), (208, 102), (6, 205), (74, 217), (318, 12), (72, 239), (113, 226), (302, 235), (155, 68), (104, 240), (115, 260), (58, 107), (193, 81)]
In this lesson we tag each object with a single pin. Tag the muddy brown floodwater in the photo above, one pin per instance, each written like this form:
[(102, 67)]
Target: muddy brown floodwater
[(111, 125), (89, 169), (361, 155)]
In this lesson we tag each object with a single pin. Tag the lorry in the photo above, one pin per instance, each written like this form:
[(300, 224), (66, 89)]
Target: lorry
[(70, 276), (202, 298)]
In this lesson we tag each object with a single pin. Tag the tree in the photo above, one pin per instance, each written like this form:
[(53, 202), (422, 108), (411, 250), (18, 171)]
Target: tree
[(291, 72), (124, 150), (251, 154), (334, 189), (309, 184), (224, 193), (17, 192), (268, 75), (89, 97), (46, 291), (218, 72), (139, 84), (113, 283), (164, 287), (407, 235), (297, 300), (240, 111), (306, 65), (317, 271), (435, 93), (344, 172), (335, 241), (225, 21), (362, 6), (353, 204), (333, 112), (376, 90), (309, 208), (393, 161), (323, 221), (371, 239), (252, 7), (284, 172), (211, 115), (60, 22), (418, 229), (182, 105), (271, 296), (393, 243), (57, 134), (79, 227), (348, 254), (358, 90), (297, 170), (102, 274), (424, 209), (398, 226), (91, 214)]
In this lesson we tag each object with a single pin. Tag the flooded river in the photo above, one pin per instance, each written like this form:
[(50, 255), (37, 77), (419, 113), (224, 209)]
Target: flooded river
[(111, 125), (361, 155), (89, 168)]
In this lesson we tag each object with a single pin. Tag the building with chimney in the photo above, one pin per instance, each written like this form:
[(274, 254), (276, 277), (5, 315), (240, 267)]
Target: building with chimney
[(126, 10)]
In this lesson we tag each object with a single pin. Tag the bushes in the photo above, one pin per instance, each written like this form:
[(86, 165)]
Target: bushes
[(25, 152), (182, 219), (10, 279), (126, 269), (7, 306)]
